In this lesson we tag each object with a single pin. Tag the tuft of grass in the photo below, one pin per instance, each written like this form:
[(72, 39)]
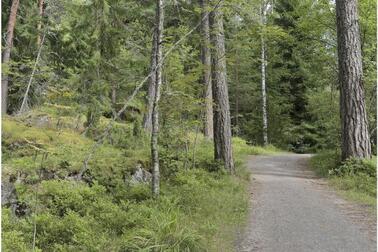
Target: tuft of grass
[(355, 179), (324, 162), (241, 148)]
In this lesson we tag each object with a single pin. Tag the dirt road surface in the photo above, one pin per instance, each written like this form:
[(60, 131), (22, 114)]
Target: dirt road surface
[(294, 211)]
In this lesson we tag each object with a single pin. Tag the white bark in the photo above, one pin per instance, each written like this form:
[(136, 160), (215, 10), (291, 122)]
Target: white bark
[(206, 78), (24, 105), (155, 111), (263, 75)]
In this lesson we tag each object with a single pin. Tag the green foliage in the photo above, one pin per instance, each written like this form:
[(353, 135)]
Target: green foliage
[(14, 239), (355, 166), (198, 210), (96, 52), (360, 188), (195, 207), (325, 161), (241, 148)]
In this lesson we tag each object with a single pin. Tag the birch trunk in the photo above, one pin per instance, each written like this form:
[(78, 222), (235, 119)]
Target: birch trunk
[(263, 76), (39, 28), (355, 141), (6, 55), (24, 104), (155, 110), (222, 120), (206, 78), (147, 121)]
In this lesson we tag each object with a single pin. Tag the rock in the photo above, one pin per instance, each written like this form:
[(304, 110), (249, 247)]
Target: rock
[(41, 121), (76, 176), (9, 198), (8, 194), (46, 174), (140, 176)]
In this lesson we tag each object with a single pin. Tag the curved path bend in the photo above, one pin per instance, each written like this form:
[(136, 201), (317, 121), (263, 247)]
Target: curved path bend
[(294, 211)]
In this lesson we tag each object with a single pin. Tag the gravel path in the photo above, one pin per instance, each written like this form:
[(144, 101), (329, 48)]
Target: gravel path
[(293, 211)]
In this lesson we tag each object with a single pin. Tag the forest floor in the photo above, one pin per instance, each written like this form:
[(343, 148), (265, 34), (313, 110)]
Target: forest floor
[(294, 210)]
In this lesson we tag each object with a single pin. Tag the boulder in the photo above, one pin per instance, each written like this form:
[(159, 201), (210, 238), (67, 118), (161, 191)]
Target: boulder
[(140, 176), (8, 194)]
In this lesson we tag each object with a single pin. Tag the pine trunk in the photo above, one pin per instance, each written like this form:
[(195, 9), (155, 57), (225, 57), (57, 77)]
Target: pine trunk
[(263, 77), (206, 78), (222, 120), (147, 121), (155, 110), (6, 55), (355, 141)]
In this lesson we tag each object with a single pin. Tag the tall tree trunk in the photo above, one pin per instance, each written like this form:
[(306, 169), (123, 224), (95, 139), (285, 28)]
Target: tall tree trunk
[(206, 78), (40, 8), (237, 83), (355, 141), (147, 121), (263, 75), (6, 55), (222, 120), (155, 110)]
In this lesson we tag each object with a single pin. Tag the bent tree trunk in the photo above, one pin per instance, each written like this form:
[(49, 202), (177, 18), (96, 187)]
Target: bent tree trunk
[(206, 78), (147, 121), (155, 110), (355, 140), (6, 55), (222, 120)]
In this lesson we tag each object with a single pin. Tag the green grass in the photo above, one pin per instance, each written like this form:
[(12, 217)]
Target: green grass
[(200, 208), (356, 180), (241, 149)]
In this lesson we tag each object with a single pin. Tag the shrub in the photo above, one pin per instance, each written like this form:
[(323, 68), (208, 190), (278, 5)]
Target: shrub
[(355, 166)]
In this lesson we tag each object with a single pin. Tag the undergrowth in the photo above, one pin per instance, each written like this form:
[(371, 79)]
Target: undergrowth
[(199, 209), (355, 178)]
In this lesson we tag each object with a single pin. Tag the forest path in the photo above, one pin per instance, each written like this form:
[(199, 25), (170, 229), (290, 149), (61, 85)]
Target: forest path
[(293, 210)]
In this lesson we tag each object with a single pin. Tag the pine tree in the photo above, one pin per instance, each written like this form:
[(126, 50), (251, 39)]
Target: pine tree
[(355, 140), (7, 53), (222, 119)]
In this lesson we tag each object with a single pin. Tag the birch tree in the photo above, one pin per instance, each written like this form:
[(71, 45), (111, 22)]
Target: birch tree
[(263, 73), (41, 10), (155, 110), (355, 140), (7, 53), (147, 121), (222, 119)]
